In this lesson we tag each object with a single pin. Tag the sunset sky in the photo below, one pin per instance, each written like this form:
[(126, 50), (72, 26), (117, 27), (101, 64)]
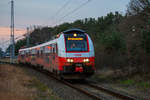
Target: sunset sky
[(5, 36), (51, 12)]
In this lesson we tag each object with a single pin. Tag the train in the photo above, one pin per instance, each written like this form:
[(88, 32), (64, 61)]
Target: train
[(70, 55)]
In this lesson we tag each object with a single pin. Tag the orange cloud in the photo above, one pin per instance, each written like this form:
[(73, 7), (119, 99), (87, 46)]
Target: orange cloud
[(5, 31)]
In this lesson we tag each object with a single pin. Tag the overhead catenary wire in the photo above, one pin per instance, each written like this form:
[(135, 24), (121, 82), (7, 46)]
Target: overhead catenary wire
[(7, 41), (3, 44), (62, 8), (74, 10), (59, 10)]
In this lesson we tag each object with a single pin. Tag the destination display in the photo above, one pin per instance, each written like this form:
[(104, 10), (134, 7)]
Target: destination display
[(75, 38)]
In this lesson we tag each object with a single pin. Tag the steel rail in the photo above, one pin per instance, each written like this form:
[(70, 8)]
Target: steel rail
[(83, 91), (113, 93)]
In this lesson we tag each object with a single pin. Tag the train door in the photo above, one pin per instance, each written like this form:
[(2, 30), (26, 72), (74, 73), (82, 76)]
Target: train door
[(55, 57)]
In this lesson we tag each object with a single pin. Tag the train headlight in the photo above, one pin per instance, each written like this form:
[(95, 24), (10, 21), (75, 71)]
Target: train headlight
[(69, 60), (74, 34), (86, 60)]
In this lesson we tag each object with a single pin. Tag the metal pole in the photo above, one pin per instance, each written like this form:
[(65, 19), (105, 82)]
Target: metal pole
[(12, 42), (27, 37)]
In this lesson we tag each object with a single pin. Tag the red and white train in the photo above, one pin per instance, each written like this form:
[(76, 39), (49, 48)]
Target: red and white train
[(70, 55)]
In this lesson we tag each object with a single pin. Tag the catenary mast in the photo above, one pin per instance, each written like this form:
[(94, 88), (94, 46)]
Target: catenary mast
[(12, 42)]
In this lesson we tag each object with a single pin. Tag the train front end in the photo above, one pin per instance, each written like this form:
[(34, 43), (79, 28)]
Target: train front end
[(76, 55)]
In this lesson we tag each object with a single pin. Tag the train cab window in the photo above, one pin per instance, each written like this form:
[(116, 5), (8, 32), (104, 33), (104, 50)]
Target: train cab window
[(76, 43)]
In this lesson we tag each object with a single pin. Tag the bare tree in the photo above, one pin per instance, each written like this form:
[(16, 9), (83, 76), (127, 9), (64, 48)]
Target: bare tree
[(138, 6)]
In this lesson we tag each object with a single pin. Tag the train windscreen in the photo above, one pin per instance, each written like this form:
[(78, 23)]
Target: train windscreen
[(76, 42)]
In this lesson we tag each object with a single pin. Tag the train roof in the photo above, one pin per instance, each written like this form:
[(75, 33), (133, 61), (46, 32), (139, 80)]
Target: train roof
[(74, 30), (40, 45)]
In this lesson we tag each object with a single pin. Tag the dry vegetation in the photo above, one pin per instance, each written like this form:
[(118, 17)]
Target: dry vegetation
[(137, 85), (16, 85)]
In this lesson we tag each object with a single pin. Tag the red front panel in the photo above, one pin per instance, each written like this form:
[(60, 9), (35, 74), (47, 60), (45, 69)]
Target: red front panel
[(63, 61)]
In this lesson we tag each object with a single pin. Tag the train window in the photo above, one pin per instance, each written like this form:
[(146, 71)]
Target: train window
[(56, 49), (41, 50), (76, 43), (30, 52), (47, 49), (33, 52), (38, 53), (22, 52), (51, 48)]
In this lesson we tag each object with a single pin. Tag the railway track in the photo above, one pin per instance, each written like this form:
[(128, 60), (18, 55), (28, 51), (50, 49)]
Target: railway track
[(92, 90), (104, 93), (112, 93), (97, 92)]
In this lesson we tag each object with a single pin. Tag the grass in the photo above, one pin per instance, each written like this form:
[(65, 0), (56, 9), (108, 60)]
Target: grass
[(40, 86), (43, 92), (138, 81), (137, 84), (7, 60), (131, 82), (104, 76), (144, 85), (127, 82)]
